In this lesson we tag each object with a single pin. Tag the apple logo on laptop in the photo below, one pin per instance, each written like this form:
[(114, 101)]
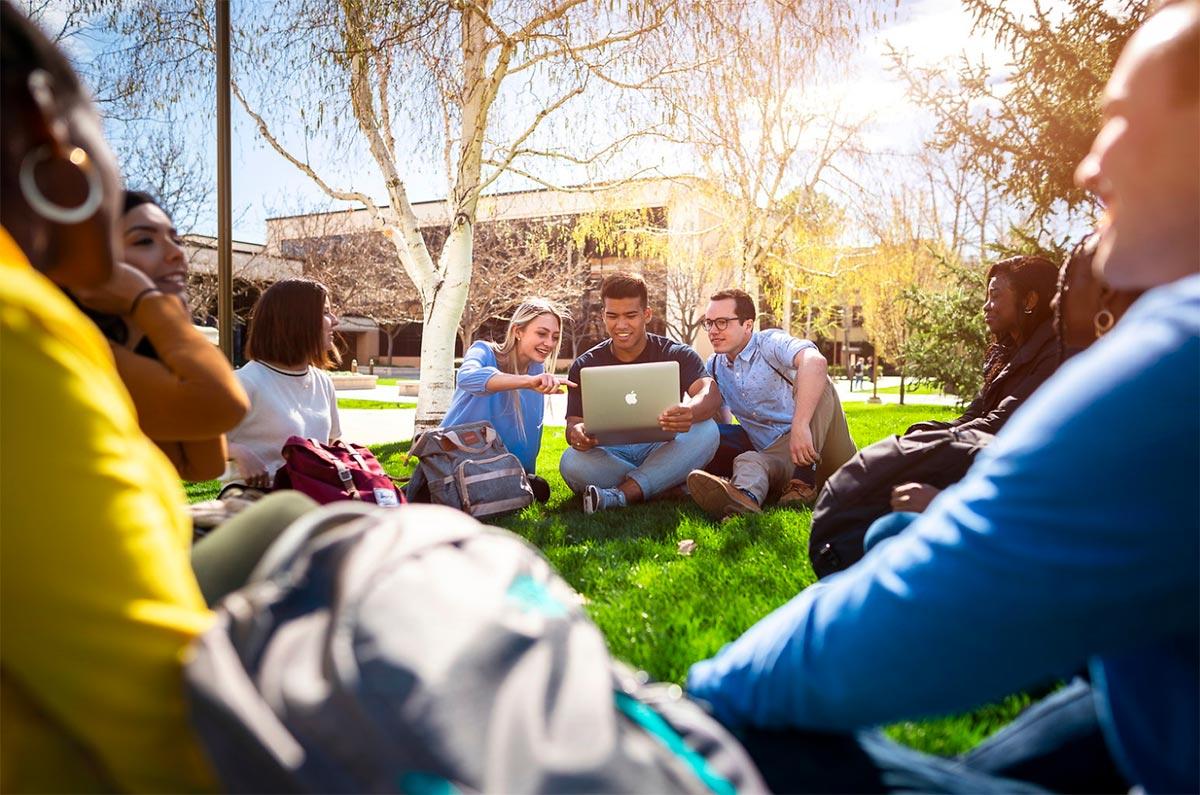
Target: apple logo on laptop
[(631, 398)]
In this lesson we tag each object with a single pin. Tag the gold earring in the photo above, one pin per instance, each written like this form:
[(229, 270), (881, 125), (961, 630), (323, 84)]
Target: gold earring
[(1103, 322), (46, 207)]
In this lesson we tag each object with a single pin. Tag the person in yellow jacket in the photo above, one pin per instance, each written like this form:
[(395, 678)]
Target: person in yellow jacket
[(98, 601)]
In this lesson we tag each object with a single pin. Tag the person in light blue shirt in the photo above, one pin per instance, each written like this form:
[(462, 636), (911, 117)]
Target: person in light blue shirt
[(1074, 539), (506, 383), (792, 433)]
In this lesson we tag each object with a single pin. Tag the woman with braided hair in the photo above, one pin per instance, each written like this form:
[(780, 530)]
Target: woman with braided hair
[(1085, 308)]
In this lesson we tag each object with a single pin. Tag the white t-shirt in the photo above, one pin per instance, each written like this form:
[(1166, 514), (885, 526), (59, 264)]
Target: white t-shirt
[(283, 404)]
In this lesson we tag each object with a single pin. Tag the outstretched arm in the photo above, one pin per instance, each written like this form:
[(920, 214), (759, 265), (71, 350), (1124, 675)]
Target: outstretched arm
[(546, 383), (705, 399), (998, 585)]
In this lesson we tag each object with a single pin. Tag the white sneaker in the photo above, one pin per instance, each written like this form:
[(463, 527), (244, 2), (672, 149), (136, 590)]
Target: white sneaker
[(591, 500)]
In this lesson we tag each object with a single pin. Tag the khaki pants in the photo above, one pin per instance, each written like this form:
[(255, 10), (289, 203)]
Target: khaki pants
[(765, 472)]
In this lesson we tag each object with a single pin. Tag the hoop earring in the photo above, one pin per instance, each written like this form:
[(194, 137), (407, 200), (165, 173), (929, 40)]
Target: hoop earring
[(1103, 322), (1028, 311), (56, 213)]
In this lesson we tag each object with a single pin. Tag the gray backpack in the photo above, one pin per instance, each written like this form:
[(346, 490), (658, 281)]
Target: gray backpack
[(416, 650), (468, 467)]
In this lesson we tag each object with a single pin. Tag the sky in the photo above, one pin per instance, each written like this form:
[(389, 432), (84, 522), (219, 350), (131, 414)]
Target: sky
[(934, 31)]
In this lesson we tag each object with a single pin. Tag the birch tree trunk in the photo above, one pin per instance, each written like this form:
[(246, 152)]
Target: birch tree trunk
[(443, 303)]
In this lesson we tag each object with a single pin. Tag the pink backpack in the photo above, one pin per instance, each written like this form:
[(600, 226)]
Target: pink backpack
[(332, 472)]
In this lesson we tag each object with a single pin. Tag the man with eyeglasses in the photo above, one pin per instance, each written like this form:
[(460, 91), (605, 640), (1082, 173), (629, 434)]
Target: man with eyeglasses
[(792, 432)]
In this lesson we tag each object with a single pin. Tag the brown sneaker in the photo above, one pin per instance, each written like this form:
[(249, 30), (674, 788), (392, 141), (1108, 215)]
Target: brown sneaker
[(718, 497), (798, 493)]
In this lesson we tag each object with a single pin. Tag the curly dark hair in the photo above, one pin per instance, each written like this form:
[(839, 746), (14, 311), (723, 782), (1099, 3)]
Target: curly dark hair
[(1080, 257)]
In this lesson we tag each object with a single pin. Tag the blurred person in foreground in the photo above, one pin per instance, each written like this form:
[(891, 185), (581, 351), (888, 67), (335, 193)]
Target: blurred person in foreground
[(1034, 564), (98, 600)]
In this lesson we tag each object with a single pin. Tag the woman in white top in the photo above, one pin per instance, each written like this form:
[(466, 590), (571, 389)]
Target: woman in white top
[(290, 342)]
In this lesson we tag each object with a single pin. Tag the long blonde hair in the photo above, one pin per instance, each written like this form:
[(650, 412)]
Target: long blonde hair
[(506, 352)]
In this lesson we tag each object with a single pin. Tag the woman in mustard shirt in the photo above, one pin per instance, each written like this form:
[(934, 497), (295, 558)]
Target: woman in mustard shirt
[(98, 601), (184, 390)]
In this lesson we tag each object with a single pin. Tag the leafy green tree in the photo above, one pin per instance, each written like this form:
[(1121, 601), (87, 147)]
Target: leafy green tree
[(1024, 241), (947, 336), (1030, 128)]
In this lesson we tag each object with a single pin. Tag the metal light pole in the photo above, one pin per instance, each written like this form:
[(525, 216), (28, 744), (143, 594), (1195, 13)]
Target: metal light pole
[(224, 188), (874, 380)]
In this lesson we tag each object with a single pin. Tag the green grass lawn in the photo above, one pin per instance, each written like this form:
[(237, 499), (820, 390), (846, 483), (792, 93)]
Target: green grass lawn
[(661, 610), (356, 403)]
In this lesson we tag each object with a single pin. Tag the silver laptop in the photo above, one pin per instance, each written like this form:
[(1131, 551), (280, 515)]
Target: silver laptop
[(621, 402)]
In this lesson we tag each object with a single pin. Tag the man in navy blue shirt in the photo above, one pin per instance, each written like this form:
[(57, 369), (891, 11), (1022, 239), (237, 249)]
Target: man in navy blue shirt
[(617, 475), (1074, 539)]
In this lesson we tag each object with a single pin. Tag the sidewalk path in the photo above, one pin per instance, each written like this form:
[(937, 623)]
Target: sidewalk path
[(888, 381), (377, 426)]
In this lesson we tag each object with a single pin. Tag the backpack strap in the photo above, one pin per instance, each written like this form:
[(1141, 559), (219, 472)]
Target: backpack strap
[(487, 433), (343, 471), (778, 373), (353, 452)]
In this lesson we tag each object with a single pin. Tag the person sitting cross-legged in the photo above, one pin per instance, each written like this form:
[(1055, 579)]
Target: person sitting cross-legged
[(616, 475), (792, 432)]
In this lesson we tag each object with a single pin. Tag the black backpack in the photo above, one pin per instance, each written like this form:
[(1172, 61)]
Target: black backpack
[(861, 490), (416, 650)]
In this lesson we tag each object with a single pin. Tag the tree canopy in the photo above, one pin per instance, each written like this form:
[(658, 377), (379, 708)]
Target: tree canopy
[(1029, 127)]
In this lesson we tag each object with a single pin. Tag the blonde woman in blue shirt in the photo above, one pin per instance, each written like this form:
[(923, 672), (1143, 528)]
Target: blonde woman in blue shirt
[(505, 383)]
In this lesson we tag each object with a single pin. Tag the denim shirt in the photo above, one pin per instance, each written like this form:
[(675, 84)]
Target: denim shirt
[(753, 384)]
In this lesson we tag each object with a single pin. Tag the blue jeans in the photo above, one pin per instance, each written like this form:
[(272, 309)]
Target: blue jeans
[(655, 467), (1055, 744)]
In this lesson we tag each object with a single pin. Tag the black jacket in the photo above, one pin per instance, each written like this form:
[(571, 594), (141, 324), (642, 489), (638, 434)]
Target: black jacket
[(1033, 363)]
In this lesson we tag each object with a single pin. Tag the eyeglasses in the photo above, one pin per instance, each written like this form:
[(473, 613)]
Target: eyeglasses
[(719, 323)]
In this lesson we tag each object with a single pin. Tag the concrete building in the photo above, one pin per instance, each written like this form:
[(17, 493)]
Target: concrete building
[(685, 213), (254, 269), (680, 209)]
